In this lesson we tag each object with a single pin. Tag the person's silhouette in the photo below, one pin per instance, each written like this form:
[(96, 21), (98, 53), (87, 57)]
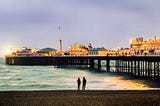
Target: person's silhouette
[(78, 83), (84, 83)]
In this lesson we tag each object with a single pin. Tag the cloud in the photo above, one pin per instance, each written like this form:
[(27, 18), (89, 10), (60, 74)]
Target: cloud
[(102, 22)]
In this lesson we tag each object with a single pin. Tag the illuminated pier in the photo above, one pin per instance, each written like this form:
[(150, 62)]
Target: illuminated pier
[(141, 66), (142, 59)]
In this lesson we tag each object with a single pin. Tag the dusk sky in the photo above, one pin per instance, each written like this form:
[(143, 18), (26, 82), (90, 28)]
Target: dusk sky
[(107, 23)]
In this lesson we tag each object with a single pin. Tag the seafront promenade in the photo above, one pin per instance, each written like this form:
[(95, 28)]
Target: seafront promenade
[(80, 98)]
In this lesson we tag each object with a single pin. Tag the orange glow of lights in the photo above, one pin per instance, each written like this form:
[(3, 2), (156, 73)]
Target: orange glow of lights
[(6, 51)]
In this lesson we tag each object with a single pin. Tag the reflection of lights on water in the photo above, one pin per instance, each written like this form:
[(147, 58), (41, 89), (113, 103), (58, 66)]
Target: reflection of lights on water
[(120, 83)]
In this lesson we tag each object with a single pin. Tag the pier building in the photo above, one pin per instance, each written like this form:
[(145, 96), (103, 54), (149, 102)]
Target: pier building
[(123, 52), (98, 52), (11, 51), (89, 46), (47, 52), (104, 52), (26, 51), (77, 50)]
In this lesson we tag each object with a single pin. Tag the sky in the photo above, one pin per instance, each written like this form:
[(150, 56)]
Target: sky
[(107, 23)]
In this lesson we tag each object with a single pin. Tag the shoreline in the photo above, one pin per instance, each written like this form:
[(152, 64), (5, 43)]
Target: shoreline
[(80, 98)]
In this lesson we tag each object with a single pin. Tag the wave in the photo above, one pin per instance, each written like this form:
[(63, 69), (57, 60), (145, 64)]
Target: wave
[(7, 77), (3, 67), (48, 77)]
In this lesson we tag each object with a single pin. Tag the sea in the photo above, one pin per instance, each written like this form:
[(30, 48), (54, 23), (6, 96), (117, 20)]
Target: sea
[(18, 78)]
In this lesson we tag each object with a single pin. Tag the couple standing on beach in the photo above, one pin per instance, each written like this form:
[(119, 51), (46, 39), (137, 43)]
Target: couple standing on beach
[(84, 83)]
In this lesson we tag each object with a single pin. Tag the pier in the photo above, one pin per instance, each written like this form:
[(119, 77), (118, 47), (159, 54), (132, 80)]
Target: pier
[(141, 66)]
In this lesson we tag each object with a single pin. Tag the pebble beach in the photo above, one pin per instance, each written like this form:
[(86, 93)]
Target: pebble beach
[(81, 98)]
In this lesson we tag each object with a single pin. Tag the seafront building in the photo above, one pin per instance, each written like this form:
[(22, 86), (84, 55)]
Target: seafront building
[(139, 46)]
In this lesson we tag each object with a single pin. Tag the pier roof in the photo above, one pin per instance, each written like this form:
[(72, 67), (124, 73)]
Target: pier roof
[(46, 50)]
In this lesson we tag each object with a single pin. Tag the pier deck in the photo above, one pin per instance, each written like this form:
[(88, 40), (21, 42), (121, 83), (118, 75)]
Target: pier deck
[(143, 66)]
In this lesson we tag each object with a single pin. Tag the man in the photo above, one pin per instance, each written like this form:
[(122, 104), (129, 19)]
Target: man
[(84, 84), (78, 83)]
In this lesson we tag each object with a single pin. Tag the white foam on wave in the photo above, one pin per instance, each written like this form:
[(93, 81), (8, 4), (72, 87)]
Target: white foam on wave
[(2, 67), (2, 84), (16, 71), (8, 76)]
